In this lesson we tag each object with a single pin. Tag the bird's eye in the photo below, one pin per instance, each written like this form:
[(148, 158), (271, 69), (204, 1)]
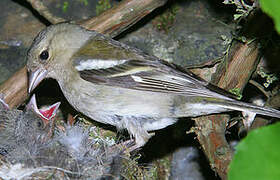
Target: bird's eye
[(44, 55), (39, 124)]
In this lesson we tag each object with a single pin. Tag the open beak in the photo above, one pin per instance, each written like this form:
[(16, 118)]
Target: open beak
[(35, 78), (46, 114)]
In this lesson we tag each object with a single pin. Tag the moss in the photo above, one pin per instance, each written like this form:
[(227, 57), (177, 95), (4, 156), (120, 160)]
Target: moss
[(165, 21), (102, 5), (85, 2), (132, 170), (237, 92), (163, 167), (65, 6), (269, 78), (242, 9)]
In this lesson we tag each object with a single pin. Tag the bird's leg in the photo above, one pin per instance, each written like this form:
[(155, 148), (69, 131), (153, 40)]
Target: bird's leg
[(132, 144), (140, 141), (140, 135)]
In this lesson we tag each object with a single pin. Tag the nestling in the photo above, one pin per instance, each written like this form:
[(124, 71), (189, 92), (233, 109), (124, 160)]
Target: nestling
[(28, 152), (19, 128), (115, 84)]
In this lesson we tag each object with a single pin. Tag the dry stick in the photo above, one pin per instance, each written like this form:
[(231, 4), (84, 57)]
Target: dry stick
[(43, 11), (233, 73), (236, 72), (14, 89), (121, 17)]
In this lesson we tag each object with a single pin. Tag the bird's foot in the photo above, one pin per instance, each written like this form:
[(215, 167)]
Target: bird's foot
[(136, 144)]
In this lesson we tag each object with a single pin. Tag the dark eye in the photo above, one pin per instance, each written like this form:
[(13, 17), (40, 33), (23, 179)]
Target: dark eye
[(39, 124), (44, 55)]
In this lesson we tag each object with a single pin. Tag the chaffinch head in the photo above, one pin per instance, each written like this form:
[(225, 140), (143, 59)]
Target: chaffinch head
[(115, 84)]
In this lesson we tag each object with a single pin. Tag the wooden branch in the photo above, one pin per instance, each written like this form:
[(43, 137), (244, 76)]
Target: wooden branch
[(236, 72), (211, 135), (43, 11), (121, 17), (111, 22), (14, 89), (233, 73)]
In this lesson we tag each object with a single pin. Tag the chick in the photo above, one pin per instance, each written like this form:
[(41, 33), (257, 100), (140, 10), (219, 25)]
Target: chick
[(29, 152)]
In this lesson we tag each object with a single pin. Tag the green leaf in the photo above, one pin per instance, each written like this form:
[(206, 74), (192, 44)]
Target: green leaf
[(65, 6), (272, 8), (257, 157)]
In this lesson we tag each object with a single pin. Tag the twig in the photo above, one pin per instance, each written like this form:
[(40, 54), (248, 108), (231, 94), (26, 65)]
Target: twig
[(260, 87), (121, 17), (60, 169), (211, 135), (14, 90), (43, 11)]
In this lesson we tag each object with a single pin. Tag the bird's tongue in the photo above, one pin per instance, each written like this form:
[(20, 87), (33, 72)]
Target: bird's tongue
[(50, 111)]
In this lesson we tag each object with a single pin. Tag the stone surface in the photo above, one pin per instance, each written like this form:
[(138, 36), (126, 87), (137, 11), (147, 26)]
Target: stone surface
[(185, 165), (197, 35), (18, 28)]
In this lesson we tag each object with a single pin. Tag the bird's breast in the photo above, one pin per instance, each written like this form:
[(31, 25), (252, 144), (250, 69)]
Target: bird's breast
[(108, 103)]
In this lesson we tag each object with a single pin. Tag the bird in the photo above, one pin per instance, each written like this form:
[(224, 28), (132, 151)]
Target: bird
[(88, 157), (113, 83), (19, 128), (27, 150)]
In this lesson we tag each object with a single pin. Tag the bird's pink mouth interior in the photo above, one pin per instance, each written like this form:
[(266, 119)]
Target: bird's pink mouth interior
[(46, 113), (49, 112)]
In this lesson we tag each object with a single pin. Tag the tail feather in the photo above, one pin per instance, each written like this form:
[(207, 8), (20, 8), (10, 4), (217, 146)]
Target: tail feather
[(246, 107)]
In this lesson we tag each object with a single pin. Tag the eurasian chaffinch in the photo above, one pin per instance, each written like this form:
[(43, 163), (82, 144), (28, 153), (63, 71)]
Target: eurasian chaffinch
[(115, 84)]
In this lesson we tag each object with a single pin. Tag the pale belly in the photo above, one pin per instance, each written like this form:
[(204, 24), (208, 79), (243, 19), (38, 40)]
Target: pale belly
[(97, 102), (111, 104)]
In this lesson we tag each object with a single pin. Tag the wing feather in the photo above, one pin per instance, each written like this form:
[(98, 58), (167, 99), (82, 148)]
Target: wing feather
[(132, 69)]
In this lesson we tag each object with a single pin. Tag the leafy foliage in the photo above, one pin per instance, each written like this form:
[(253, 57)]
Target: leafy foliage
[(165, 21), (272, 8), (102, 5), (257, 156), (242, 9)]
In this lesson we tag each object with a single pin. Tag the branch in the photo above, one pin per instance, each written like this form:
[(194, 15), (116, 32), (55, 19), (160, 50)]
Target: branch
[(233, 73), (43, 11), (121, 17)]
